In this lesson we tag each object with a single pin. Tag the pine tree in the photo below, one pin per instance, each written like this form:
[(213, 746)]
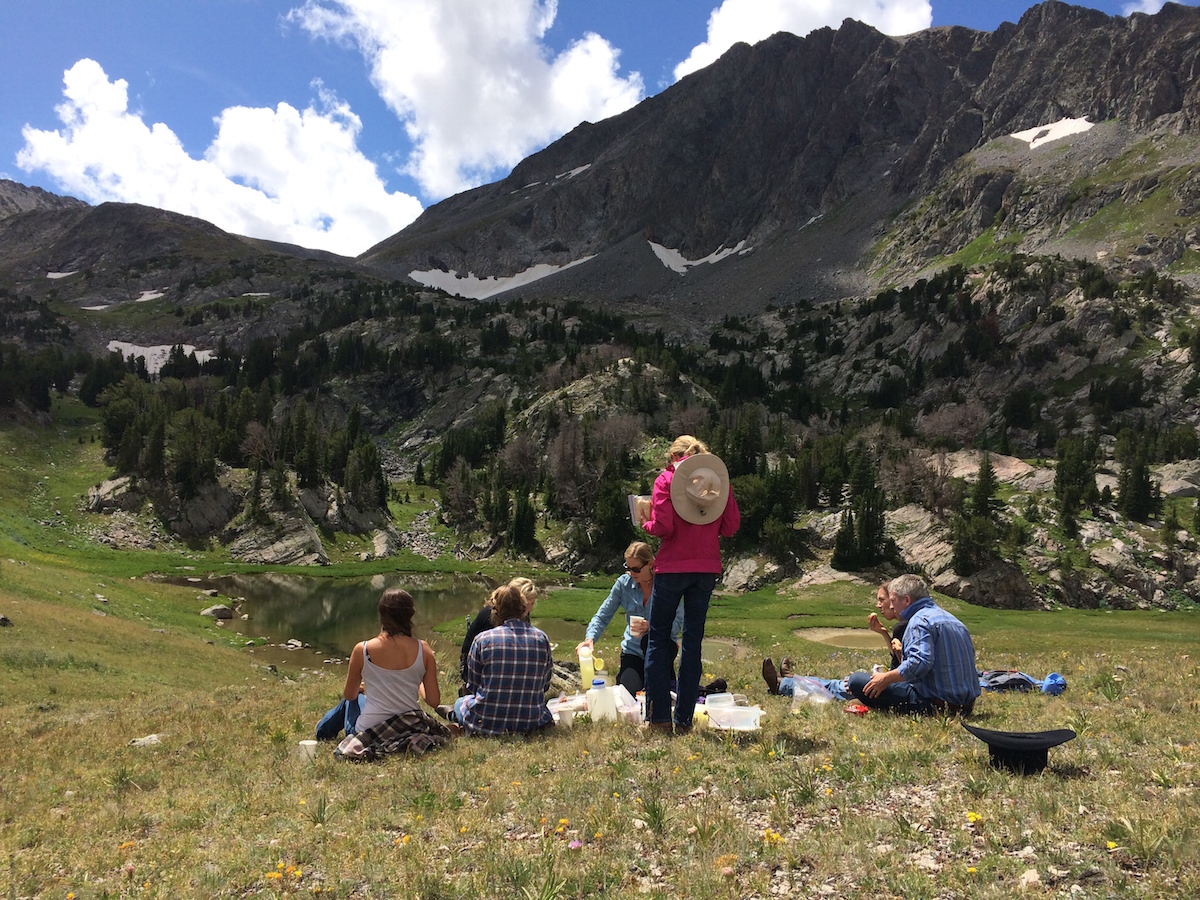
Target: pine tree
[(845, 544), (610, 515), (1137, 496), (521, 532), (870, 537), (983, 497), (962, 559)]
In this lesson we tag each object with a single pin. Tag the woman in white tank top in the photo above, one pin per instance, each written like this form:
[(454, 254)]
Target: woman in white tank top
[(396, 668)]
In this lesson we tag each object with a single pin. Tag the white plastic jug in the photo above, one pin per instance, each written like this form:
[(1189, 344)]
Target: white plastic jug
[(602, 705)]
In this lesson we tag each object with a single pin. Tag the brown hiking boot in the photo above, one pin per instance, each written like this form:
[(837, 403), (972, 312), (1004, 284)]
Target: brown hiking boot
[(785, 667), (770, 676)]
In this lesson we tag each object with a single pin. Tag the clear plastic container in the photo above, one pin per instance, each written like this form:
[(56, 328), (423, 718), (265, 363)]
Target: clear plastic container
[(734, 718)]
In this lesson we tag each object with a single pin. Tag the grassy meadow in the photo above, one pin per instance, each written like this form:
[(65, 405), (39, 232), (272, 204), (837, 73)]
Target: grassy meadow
[(817, 803)]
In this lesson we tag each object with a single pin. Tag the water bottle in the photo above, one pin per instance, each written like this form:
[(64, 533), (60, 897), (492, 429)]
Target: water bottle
[(602, 706), (587, 670)]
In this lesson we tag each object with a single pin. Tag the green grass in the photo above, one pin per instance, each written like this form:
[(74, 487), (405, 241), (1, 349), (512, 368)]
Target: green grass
[(815, 803), (1127, 221), (984, 249)]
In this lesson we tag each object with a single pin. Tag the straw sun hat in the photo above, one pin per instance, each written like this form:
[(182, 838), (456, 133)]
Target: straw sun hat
[(700, 488)]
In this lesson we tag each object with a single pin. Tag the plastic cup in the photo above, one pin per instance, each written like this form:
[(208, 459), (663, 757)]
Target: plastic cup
[(308, 751), (638, 625), (598, 663)]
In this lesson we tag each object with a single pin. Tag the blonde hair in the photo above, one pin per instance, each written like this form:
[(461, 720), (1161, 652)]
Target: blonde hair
[(640, 550), (526, 586), (685, 445)]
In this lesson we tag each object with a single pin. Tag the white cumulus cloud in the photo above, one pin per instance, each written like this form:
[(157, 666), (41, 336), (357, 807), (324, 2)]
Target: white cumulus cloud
[(1142, 6), (283, 174), (753, 20), (474, 82)]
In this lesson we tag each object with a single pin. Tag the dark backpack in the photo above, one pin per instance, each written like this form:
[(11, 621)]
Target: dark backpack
[(1005, 680)]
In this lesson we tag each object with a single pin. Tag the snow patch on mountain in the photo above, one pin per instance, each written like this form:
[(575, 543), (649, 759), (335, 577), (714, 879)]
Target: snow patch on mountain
[(157, 355), (474, 288), (1044, 134), (677, 262)]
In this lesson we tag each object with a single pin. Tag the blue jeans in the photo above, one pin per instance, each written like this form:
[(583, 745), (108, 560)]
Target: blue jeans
[(343, 717), (835, 686), (900, 697), (693, 589)]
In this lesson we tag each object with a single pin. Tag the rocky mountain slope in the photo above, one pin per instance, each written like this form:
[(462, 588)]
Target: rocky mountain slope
[(831, 237), (18, 198), (797, 169), (782, 165)]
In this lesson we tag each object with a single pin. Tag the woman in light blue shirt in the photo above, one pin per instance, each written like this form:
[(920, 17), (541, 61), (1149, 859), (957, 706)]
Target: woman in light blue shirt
[(631, 593)]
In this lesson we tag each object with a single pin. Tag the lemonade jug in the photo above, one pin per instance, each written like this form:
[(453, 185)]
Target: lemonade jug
[(587, 669)]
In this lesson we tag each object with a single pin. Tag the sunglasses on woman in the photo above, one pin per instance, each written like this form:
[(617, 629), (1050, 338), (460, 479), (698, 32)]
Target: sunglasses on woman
[(635, 569)]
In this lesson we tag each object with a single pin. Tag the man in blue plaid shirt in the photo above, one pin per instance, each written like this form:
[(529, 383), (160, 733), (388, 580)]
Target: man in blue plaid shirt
[(508, 674), (937, 672)]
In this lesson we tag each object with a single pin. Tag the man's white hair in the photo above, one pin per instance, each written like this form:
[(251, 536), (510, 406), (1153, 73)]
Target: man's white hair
[(911, 586)]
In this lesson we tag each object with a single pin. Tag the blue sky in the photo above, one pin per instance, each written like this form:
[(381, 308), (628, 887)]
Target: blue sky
[(333, 123)]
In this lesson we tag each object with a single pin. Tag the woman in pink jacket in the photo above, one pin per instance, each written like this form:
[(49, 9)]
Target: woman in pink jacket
[(691, 507)]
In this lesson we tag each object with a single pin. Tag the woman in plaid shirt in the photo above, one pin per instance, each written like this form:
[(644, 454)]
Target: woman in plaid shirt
[(508, 673)]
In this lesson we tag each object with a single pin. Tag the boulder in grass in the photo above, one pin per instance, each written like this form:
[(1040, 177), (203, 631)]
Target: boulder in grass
[(219, 611)]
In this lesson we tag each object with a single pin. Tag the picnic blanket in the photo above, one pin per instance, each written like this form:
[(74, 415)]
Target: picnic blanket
[(414, 732)]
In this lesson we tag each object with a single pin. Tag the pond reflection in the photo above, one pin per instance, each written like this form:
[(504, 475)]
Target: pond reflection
[(333, 614)]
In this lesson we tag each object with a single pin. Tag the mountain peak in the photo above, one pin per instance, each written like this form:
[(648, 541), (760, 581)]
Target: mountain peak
[(801, 152)]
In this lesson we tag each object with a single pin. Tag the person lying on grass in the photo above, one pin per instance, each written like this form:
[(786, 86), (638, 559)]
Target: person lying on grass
[(388, 677), (937, 673), (508, 673), (782, 681)]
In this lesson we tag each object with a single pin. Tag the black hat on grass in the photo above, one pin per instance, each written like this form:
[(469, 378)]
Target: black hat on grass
[(1023, 752)]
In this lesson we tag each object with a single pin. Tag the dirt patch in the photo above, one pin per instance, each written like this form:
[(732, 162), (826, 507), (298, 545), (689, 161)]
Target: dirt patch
[(850, 638)]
